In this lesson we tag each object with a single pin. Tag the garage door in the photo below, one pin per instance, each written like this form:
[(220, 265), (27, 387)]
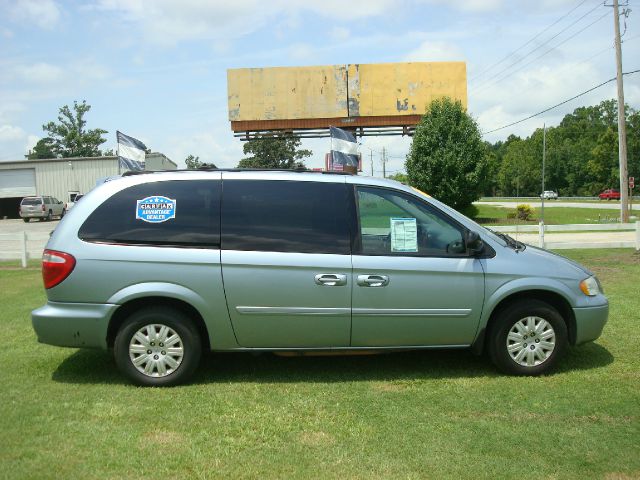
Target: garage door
[(19, 182)]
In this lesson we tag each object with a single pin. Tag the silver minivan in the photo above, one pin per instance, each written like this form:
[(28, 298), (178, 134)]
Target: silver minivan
[(162, 266)]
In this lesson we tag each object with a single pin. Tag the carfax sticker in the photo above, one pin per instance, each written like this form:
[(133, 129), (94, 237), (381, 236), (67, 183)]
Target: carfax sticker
[(155, 209)]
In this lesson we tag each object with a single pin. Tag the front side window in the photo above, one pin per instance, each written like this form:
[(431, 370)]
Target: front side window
[(393, 223), (285, 216), (170, 213)]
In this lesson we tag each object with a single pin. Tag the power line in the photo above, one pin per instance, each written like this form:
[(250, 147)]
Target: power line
[(526, 43), (486, 85), (489, 80), (559, 104)]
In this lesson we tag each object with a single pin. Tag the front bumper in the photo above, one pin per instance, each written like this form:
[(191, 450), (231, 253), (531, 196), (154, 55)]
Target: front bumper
[(73, 324), (589, 322)]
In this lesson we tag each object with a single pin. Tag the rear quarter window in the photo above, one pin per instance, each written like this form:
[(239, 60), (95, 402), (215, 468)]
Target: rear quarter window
[(195, 221)]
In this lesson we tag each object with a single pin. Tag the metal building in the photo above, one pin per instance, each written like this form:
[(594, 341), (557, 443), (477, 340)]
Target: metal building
[(62, 178)]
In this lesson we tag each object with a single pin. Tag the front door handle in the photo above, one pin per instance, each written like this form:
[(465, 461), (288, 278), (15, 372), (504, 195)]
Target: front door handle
[(373, 280), (331, 279)]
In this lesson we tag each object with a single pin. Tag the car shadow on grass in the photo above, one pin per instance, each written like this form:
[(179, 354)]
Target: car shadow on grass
[(96, 367)]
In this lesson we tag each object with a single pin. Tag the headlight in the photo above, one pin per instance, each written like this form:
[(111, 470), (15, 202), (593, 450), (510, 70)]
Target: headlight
[(590, 286)]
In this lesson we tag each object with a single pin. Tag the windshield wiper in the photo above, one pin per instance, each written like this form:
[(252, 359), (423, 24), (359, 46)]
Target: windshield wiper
[(511, 242)]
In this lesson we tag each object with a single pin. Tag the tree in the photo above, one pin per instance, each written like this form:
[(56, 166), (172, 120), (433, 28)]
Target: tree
[(274, 151), (400, 177), (446, 158), (193, 163), (69, 136), (45, 148)]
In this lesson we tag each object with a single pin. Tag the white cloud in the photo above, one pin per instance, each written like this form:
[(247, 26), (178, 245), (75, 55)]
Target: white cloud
[(168, 22), (31, 142), (39, 73), (301, 52), (10, 133), (434, 51), (43, 13), (469, 6), (205, 145), (339, 33)]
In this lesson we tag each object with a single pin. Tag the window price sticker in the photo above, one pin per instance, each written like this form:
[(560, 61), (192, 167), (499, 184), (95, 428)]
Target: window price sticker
[(404, 235)]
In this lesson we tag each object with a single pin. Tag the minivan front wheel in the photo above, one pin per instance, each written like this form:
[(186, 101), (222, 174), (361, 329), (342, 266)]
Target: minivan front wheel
[(528, 338), (158, 347)]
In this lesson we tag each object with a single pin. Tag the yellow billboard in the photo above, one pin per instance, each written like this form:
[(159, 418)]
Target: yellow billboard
[(342, 91)]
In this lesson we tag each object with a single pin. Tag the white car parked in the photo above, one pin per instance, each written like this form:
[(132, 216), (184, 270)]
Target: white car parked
[(549, 195)]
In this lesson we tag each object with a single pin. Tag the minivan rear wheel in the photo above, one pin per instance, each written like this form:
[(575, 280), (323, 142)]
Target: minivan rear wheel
[(528, 338), (158, 346)]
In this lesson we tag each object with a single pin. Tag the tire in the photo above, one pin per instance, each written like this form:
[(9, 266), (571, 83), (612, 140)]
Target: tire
[(48, 217), (514, 355), (165, 322), (64, 212), (25, 220)]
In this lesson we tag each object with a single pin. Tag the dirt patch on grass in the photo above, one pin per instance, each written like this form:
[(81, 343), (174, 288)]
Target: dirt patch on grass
[(389, 387), (315, 439), (163, 438), (622, 476)]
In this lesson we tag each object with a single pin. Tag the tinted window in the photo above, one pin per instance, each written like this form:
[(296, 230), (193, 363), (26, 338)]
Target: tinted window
[(283, 216), (196, 221), (31, 201), (392, 223)]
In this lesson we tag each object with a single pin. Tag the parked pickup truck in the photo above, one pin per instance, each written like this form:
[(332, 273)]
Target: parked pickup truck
[(610, 194)]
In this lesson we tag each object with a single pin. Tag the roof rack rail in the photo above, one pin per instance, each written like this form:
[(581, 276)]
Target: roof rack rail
[(208, 169)]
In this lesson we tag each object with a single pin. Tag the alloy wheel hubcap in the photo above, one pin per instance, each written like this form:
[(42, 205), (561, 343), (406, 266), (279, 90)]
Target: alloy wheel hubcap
[(531, 341), (156, 350)]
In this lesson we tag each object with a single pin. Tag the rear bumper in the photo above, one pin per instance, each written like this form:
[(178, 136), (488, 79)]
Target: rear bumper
[(73, 324), (33, 214), (589, 322)]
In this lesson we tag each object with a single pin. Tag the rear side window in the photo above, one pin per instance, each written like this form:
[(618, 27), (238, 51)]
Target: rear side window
[(31, 201), (285, 216), (171, 213)]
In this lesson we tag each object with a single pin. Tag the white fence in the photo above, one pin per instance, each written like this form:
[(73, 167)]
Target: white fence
[(541, 229), (23, 245)]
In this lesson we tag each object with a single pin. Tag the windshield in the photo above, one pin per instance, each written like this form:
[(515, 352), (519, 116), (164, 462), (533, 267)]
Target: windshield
[(31, 201)]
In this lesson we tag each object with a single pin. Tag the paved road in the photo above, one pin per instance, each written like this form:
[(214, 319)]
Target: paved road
[(17, 226), (554, 204)]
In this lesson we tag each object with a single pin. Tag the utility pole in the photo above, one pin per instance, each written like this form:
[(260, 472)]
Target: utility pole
[(371, 152), (384, 161), (622, 132), (544, 156)]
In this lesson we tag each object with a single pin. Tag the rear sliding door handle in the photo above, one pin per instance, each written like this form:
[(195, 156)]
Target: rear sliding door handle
[(373, 280), (331, 279)]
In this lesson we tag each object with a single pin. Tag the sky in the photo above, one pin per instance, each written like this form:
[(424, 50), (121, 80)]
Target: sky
[(156, 69)]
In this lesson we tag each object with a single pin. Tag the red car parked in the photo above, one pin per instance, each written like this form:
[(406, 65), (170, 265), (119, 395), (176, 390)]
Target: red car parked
[(610, 194)]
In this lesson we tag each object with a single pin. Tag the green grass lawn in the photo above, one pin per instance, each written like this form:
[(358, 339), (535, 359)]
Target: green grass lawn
[(488, 214), (67, 413)]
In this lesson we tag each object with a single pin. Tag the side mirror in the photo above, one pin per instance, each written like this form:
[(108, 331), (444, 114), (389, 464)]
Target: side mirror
[(474, 243)]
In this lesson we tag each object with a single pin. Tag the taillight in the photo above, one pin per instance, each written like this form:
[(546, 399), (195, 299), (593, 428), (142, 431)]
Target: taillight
[(56, 266), (43, 209)]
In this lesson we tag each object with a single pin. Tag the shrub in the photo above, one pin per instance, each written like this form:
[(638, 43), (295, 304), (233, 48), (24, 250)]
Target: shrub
[(524, 212)]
